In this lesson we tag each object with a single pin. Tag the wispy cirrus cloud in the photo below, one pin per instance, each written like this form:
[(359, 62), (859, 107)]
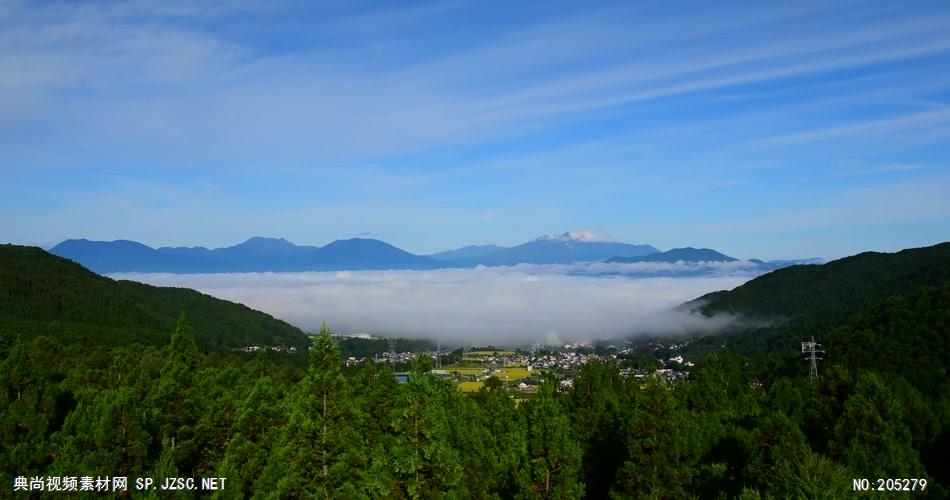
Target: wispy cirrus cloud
[(192, 81), (318, 118), (925, 120)]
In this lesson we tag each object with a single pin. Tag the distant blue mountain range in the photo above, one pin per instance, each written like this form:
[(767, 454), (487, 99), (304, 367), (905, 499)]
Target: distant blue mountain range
[(260, 254), (123, 255), (255, 249), (254, 255), (561, 249)]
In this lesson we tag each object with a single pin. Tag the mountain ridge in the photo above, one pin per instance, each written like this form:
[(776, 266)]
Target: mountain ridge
[(261, 254), (685, 254), (559, 250), (130, 256), (824, 289)]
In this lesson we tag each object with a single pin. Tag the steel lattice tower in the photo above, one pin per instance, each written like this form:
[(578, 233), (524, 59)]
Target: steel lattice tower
[(812, 350)]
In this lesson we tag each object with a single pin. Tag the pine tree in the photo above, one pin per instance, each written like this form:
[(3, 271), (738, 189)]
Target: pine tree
[(596, 409), (661, 446), (495, 440), (552, 467), (257, 428), (176, 406), (319, 454), (166, 467), (26, 403), (375, 401), (871, 437), (421, 461), (106, 434)]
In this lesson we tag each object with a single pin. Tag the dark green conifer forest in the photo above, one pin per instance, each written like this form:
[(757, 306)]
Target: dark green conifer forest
[(747, 423)]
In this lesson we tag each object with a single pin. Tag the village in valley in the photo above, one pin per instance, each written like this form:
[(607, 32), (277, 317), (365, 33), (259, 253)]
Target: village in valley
[(522, 369)]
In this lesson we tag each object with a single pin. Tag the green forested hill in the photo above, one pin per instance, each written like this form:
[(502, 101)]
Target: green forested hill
[(834, 290), (884, 324), (42, 294), (907, 334), (886, 312)]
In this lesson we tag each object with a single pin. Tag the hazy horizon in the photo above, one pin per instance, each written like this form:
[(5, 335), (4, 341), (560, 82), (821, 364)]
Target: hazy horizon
[(596, 237)]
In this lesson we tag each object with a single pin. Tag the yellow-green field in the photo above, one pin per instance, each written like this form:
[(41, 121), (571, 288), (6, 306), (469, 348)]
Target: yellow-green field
[(464, 370), (470, 386), (490, 353), (513, 373)]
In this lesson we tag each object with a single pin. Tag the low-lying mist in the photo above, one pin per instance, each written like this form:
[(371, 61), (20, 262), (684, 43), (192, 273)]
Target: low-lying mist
[(497, 305)]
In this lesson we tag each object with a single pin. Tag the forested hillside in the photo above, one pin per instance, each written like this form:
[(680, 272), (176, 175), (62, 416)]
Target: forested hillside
[(42, 294), (747, 423), (833, 290)]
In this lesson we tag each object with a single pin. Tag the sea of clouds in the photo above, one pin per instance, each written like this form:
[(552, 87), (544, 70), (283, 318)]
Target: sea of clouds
[(498, 305)]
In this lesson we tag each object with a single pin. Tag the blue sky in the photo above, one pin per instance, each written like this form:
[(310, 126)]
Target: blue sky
[(761, 129)]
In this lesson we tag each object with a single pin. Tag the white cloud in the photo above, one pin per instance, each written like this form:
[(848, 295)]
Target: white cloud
[(579, 235), (502, 305), (241, 99)]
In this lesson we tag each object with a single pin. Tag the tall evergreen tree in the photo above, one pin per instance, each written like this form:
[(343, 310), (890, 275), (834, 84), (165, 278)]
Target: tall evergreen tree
[(107, 432), (176, 404), (421, 462), (499, 432), (27, 403), (661, 446), (871, 437), (552, 467), (320, 454), (595, 405)]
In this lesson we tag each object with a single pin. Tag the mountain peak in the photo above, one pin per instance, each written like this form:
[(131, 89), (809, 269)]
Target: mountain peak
[(260, 241), (584, 235), (358, 241)]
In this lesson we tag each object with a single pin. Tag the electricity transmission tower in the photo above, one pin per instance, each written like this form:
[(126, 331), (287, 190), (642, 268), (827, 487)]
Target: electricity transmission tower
[(812, 350)]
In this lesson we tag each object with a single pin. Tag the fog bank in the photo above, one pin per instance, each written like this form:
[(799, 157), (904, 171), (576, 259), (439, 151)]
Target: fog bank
[(499, 305)]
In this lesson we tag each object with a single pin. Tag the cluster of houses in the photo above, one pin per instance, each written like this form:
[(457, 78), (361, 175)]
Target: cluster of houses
[(667, 374), (258, 348), (566, 359), (389, 358)]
